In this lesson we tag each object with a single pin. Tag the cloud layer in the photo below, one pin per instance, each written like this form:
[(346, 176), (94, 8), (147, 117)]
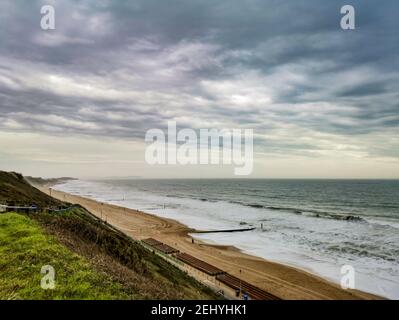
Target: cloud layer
[(285, 69)]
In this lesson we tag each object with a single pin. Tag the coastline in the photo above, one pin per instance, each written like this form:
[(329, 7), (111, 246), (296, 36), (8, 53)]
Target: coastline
[(284, 281)]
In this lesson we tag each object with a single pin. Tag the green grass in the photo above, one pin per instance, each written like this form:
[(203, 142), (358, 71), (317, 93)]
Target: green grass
[(147, 275), (92, 260), (25, 247)]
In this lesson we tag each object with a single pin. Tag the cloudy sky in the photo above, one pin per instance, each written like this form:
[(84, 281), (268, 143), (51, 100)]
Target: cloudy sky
[(77, 100)]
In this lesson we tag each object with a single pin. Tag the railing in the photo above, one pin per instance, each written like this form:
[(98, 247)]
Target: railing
[(32, 209), (25, 209)]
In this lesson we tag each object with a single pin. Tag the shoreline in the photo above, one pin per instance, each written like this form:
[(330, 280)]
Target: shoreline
[(284, 281)]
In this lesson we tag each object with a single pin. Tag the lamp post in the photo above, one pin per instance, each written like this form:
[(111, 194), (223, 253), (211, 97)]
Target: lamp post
[(240, 283)]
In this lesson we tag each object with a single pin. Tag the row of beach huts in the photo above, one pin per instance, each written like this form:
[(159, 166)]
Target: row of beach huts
[(242, 288)]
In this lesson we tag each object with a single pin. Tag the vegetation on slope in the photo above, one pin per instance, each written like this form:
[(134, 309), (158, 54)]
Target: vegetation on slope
[(15, 190), (92, 259), (124, 259), (25, 248)]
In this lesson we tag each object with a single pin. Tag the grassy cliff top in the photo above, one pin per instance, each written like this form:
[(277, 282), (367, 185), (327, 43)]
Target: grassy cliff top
[(15, 190)]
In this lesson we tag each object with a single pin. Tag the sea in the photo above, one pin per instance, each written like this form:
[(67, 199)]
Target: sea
[(318, 226)]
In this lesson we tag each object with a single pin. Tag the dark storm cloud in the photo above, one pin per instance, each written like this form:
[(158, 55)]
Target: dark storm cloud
[(119, 68), (365, 90)]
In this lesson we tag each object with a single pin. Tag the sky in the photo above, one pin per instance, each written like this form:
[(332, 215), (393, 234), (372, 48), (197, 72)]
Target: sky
[(78, 100)]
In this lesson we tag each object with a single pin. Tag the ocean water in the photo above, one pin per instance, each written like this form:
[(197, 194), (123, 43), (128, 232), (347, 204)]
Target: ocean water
[(315, 225)]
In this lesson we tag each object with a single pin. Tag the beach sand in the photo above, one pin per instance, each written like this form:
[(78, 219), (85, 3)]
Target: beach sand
[(283, 281)]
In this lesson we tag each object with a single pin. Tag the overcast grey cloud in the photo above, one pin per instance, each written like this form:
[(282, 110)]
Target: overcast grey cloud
[(283, 68)]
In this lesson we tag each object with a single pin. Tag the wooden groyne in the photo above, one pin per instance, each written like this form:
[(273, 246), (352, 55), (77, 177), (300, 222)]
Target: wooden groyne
[(227, 230)]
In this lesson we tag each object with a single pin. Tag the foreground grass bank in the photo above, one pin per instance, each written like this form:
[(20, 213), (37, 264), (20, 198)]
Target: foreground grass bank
[(25, 247), (92, 260)]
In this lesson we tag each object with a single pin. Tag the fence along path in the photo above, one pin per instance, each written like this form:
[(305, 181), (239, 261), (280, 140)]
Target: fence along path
[(34, 209)]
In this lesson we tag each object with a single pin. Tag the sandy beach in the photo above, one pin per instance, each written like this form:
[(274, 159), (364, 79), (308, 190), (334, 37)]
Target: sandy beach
[(283, 281)]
